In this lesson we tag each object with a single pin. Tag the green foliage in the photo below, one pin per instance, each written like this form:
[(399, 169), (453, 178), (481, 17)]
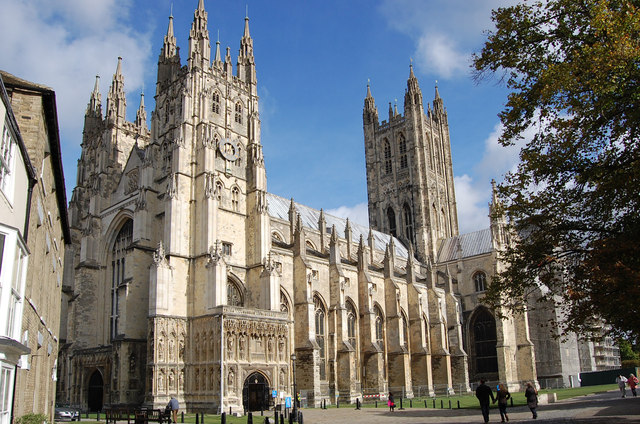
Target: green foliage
[(573, 67), (32, 419), (626, 351)]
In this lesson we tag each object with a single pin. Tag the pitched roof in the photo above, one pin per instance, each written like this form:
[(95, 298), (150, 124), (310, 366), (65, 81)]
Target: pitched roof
[(472, 244)]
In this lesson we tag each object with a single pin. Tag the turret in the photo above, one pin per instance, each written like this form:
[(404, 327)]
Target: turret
[(370, 112), (199, 46), (141, 115), (169, 60), (94, 108), (116, 99), (246, 62), (413, 95)]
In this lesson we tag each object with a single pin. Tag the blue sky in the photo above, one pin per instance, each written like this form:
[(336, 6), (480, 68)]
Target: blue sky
[(313, 61)]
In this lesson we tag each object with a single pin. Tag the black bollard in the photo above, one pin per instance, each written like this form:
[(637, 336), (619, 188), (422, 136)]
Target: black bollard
[(511, 401), (202, 419), (266, 420), (357, 403), (197, 420), (458, 404), (425, 403), (441, 405), (410, 403), (449, 403), (290, 418), (98, 416), (337, 403), (250, 418), (261, 411), (376, 403), (182, 417), (434, 403), (229, 410), (281, 418), (300, 421), (223, 418)]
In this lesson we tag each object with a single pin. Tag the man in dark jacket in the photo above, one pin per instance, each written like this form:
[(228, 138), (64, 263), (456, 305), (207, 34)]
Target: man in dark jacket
[(484, 395)]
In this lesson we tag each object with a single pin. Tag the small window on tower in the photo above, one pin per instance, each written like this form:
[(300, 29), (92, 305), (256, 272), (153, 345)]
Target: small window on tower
[(238, 113), (387, 157), (216, 103), (235, 199), (480, 281), (226, 248), (402, 147)]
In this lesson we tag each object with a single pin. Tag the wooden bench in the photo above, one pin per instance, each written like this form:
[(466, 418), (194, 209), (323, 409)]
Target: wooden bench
[(119, 414), (152, 415)]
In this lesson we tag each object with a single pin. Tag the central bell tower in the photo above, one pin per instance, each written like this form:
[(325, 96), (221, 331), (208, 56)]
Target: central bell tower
[(409, 172)]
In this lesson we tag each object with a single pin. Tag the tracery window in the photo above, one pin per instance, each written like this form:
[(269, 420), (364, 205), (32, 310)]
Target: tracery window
[(238, 116), (387, 157), (235, 199), (402, 147), (320, 317), (379, 327), (216, 103), (284, 303), (352, 325), (234, 294), (391, 217), (405, 332), (219, 191), (480, 281), (118, 267), (408, 223)]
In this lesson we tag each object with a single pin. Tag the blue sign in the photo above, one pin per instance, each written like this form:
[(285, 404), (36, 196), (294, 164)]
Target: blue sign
[(287, 402), (274, 393)]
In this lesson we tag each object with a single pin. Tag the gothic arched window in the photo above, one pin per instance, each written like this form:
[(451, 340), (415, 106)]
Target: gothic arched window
[(405, 332), (402, 147), (238, 116), (352, 325), (379, 327), (219, 191), (235, 199), (480, 281), (320, 317), (408, 223), (484, 339), (284, 303), (118, 262), (387, 157), (391, 217), (234, 294), (215, 103)]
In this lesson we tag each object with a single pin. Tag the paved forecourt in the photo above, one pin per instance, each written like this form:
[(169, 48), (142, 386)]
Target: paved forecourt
[(605, 408)]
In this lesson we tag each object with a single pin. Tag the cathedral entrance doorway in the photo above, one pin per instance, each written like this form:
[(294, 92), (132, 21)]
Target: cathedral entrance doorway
[(256, 393), (95, 395), (484, 340)]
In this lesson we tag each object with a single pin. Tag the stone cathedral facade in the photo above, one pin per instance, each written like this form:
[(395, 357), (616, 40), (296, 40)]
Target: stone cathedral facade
[(186, 277)]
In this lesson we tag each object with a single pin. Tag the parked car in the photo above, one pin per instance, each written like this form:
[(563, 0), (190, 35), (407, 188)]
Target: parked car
[(65, 413)]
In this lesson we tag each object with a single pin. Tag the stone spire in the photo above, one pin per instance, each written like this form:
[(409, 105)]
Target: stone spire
[(217, 60), (438, 104), (116, 99), (141, 114), (413, 95), (169, 47), (199, 46), (94, 108), (370, 112), (246, 62)]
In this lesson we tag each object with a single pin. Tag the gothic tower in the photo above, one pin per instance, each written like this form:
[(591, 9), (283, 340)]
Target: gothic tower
[(409, 172)]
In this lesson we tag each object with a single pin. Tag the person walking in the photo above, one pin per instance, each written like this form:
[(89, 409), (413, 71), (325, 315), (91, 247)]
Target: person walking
[(633, 383), (484, 393), (390, 402), (532, 399), (621, 380), (174, 406), (502, 397)]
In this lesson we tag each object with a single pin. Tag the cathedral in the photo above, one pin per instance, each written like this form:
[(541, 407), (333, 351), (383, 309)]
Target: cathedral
[(187, 278)]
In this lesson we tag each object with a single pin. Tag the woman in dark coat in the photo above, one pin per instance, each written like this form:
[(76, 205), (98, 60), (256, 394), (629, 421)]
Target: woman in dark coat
[(532, 399), (390, 402), (502, 397)]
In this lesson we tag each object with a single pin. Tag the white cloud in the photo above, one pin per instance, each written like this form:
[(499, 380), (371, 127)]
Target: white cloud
[(358, 213), (63, 45), (439, 55), (472, 204)]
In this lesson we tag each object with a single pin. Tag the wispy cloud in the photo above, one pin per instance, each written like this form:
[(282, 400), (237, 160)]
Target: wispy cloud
[(358, 213), (64, 44)]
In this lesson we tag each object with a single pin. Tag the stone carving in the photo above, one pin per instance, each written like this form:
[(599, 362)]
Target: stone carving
[(141, 201), (181, 349), (209, 186), (132, 362), (160, 349), (161, 381), (172, 186), (159, 256), (282, 348), (171, 344), (231, 381), (241, 347), (270, 348), (132, 181), (230, 343)]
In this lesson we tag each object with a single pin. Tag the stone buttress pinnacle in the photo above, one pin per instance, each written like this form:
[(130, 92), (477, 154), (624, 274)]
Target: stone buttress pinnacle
[(116, 99), (370, 113), (94, 108), (199, 46), (413, 95), (169, 48), (141, 114)]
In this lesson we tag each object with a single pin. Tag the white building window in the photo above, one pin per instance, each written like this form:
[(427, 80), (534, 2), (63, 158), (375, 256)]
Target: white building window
[(7, 151), (6, 392)]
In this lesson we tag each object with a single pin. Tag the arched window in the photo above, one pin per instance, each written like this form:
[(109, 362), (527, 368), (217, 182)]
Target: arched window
[(405, 332), (402, 147), (235, 199), (480, 281), (238, 117), (352, 325), (234, 294), (219, 191), (408, 223), (387, 157), (215, 103), (379, 327), (320, 317), (118, 262), (484, 337), (284, 303), (391, 217)]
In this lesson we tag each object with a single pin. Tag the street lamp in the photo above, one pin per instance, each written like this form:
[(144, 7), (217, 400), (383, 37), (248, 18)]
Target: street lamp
[(295, 391)]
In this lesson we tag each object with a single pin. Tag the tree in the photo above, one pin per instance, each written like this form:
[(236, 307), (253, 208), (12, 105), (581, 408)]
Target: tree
[(573, 68)]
